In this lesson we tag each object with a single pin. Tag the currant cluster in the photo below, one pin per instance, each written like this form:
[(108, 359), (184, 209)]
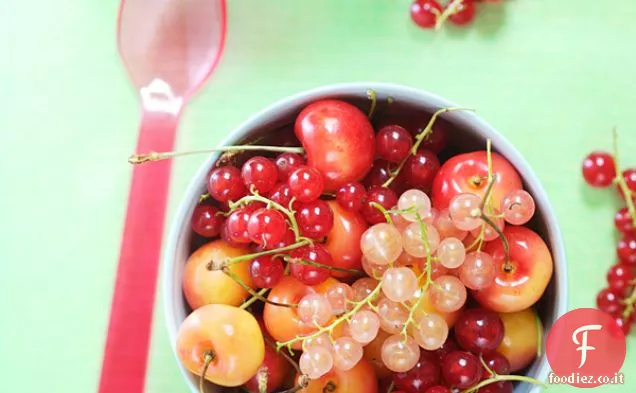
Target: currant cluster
[(430, 14), (371, 255), (600, 170)]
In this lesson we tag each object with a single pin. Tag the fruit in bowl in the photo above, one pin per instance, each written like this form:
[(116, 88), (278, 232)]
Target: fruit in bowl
[(399, 245)]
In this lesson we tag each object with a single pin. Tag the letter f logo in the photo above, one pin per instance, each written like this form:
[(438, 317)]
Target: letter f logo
[(583, 344)]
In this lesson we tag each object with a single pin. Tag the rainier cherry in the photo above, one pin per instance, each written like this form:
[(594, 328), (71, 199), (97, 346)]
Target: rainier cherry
[(599, 169), (425, 12), (259, 173)]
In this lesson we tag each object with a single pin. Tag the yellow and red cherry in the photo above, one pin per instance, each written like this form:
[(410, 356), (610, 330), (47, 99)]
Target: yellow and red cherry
[(204, 283), (216, 336), (522, 330), (275, 366), (522, 280), (468, 173), (360, 378), (338, 139), (343, 240)]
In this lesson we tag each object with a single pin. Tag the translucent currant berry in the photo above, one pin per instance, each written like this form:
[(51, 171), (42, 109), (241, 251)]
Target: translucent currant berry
[(339, 296), (413, 242), (478, 330), (416, 200), (347, 353), (363, 287), (609, 301), (486, 230), (315, 362), (400, 355), (465, 211), (518, 207), (448, 295), (377, 195), (451, 252), (392, 315), (420, 169), (321, 340), (446, 228), (399, 284), (381, 244), (478, 270), (364, 326), (461, 369), (314, 309), (431, 331), (374, 270), (266, 271), (425, 13)]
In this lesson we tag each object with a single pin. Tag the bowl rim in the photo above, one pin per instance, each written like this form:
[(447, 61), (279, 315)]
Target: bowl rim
[(171, 293)]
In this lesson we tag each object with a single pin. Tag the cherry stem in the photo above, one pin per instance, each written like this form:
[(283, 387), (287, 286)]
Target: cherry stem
[(629, 305), (391, 387), (284, 354), (208, 358), (262, 377), (450, 10), (329, 328), (620, 180), (254, 299), (204, 197), (258, 198), (498, 378), (329, 387), (136, 159), (427, 271), (419, 139), (322, 266), (253, 292), (303, 382), (372, 95), (247, 257)]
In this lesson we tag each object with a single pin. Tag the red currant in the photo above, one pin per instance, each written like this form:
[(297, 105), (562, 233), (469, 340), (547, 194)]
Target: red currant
[(420, 169), (315, 219), (225, 236), (624, 222), (609, 301), (437, 140), (206, 222), (306, 183), (437, 389), (624, 324), (237, 225), (599, 169), (266, 271), (497, 387), (464, 13), (497, 363), (378, 175), (382, 196), (619, 277), (425, 12), (426, 373), (281, 194), (461, 369), (351, 196), (393, 143), (287, 163), (479, 330), (626, 250), (259, 173), (266, 226), (630, 180), (307, 274), (449, 346), (225, 184)]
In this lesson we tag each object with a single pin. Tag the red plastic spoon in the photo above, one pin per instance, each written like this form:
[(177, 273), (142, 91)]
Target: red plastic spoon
[(169, 48)]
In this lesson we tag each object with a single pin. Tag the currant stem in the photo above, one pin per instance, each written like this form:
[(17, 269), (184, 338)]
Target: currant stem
[(419, 139), (254, 299), (208, 358), (136, 159), (451, 9), (498, 378), (629, 305), (391, 387), (253, 292), (323, 266), (243, 258), (483, 363), (620, 180), (387, 215), (329, 328), (372, 95)]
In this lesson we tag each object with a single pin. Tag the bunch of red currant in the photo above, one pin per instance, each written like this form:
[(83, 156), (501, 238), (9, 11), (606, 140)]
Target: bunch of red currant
[(430, 14), (619, 297), (364, 258)]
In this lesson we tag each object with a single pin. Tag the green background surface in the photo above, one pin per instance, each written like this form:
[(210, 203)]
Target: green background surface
[(552, 76)]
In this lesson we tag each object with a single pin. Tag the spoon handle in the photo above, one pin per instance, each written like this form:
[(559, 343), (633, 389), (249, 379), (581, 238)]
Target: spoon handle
[(128, 336)]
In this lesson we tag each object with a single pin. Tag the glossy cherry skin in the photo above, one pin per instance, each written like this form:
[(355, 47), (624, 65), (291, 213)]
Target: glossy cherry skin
[(338, 139), (426, 373), (361, 378), (521, 338), (343, 240), (226, 331), (277, 369), (497, 363), (203, 286), (531, 269), (478, 330), (461, 369), (468, 172)]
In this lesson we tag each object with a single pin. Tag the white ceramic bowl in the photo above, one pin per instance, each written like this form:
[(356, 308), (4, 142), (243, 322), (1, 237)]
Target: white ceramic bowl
[(471, 132)]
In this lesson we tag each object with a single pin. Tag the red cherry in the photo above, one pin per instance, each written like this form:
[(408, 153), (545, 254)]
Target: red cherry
[(351, 196), (276, 367), (420, 169), (266, 226), (384, 197), (626, 250), (449, 346), (259, 173), (311, 275), (425, 12), (306, 184), (287, 163), (461, 369), (237, 225), (225, 184), (624, 223), (426, 373), (463, 14), (393, 143), (619, 277), (438, 389), (496, 362), (266, 271), (281, 194), (206, 222), (609, 301), (315, 219), (497, 387), (599, 169), (479, 330)]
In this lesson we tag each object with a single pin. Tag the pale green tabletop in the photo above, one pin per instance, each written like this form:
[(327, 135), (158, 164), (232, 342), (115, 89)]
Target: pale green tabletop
[(553, 76)]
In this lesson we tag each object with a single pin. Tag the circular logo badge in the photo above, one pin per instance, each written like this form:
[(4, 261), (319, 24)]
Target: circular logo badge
[(585, 348)]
